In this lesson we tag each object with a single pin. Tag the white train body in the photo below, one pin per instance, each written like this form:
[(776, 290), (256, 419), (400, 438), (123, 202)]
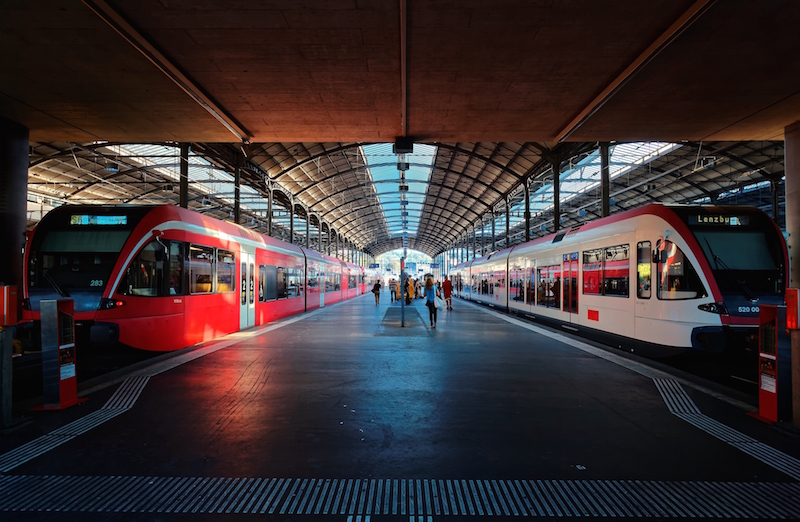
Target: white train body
[(643, 279)]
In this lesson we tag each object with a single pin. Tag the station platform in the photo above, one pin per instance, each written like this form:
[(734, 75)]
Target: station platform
[(343, 414)]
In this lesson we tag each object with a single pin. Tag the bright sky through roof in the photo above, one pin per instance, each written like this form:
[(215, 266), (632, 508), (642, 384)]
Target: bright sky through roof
[(382, 165)]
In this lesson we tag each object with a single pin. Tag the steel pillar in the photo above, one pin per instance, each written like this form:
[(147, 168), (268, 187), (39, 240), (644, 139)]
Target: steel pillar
[(792, 214), (184, 175), (556, 195), (494, 238), (308, 230), (604, 183), (527, 212), (13, 199), (237, 182), (508, 227), (291, 222), (269, 213)]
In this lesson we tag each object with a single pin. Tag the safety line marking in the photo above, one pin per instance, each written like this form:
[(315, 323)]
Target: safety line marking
[(307, 496), (677, 401), (128, 393)]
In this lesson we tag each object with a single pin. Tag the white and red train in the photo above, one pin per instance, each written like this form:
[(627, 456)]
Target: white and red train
[(161, 278), (657, 279)]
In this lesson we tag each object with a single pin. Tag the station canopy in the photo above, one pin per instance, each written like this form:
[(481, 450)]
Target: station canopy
[(454, 193)]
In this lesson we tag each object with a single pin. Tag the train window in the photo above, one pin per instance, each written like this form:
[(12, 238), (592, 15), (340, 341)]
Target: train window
[(351, 281), (145, 275), (267, 276), (677, 278), (176, 279), (332, 282), (282, 281), (643, 290), (201, 265), (593, 272), (549, 289), (516, 285), (226, 271), (616, 270), (290, 282)]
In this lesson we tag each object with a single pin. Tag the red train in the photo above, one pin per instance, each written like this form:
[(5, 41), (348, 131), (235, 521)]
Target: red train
[(161, 278)]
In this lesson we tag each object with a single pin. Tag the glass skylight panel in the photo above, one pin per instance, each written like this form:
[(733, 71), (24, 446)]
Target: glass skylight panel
[(585, 175), (382, 165)]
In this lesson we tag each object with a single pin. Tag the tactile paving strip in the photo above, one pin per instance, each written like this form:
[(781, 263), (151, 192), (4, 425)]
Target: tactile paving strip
[(405, 497)]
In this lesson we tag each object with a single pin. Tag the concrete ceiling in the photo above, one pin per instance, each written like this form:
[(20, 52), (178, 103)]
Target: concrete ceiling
[(350, 70)]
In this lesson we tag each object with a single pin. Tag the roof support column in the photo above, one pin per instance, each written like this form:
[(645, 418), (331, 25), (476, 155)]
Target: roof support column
[(776, 209), (336, 254), (237, 185), (14, 143), (508, 227), (319, 235), (494, 238), (604, 182), (291, 221), (527, 193), (556, 194), (184, 176), (483, 237), (792, 198), (474, 241), (792, 213), (308, 229), (269, 212)]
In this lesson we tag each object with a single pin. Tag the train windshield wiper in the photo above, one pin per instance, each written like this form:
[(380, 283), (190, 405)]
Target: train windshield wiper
[(53, 283), (719, 262)]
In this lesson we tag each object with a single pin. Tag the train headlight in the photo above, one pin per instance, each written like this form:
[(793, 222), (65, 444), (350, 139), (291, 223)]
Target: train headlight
[(109, 304), (714, 308)]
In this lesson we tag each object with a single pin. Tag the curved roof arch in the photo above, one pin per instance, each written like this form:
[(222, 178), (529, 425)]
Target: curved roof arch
[(331, 186)]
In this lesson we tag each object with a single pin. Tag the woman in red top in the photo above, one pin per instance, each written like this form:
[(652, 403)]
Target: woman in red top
[(447, 286)]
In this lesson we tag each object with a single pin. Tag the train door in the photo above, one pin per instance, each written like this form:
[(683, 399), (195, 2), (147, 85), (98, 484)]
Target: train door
[(646, 311), (247, 289), (321, 285), (570, 278)]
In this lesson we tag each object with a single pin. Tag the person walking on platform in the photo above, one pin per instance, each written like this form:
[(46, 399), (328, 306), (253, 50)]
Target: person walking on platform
[(409, 290), (376, 289), (392, 290), (430, 300), (447, 287), (398, 289)]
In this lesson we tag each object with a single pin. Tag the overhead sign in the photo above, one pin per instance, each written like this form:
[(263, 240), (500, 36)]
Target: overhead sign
[(434, 265), (374, 265)]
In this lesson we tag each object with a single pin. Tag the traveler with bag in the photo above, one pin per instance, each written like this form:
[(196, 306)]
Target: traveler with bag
[(376, 289), (448, 292), (430, 300)]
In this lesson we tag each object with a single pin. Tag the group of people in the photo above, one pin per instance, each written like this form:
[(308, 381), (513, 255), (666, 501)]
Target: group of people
[(414, 289)]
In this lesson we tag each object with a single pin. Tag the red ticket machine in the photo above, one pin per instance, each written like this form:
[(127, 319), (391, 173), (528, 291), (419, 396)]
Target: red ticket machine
[(58, 355), (774, 364)]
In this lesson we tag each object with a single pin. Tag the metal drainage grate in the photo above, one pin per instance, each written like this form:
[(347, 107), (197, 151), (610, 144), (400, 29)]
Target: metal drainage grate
[(406, 497)]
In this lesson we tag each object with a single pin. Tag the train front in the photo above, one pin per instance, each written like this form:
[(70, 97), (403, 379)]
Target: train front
[(747, 255), (72, 254)]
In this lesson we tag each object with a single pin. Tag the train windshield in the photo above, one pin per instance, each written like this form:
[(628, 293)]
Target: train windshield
[(74, 251), (744, 253)]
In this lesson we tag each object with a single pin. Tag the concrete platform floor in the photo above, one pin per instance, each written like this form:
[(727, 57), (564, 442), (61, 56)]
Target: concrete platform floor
[(342, 414)]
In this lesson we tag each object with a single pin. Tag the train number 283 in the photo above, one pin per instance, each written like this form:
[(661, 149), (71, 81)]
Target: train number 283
[(748, 309), (99, 282)]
